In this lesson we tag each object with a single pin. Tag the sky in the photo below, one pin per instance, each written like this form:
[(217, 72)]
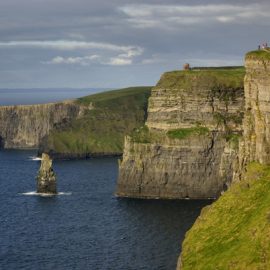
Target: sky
[(117, 43)]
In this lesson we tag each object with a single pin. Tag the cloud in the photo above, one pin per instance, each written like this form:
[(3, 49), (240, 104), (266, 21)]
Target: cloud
[(116, 61), (114, 55), (68, 45), (85, 60), (151, 16)]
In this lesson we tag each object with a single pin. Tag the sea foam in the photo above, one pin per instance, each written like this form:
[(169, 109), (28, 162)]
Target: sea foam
[(34, 193), (35, 158)]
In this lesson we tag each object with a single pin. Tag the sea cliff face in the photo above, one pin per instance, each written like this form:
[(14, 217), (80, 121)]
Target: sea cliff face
[(189, 144), (233, 233), (257, 109), (94, 125), (24, 126)]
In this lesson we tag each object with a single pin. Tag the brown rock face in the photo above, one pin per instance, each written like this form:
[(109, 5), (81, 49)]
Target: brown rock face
[(257, 110), (196, 166), (46, 179), (24, 126)]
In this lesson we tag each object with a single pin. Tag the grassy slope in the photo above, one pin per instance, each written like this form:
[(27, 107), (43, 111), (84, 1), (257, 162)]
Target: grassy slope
[(227, 78), (259, 54), (233, 233), (101, 130), (183, 133)]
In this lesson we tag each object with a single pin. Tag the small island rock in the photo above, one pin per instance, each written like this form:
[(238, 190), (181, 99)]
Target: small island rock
[(46, 179)]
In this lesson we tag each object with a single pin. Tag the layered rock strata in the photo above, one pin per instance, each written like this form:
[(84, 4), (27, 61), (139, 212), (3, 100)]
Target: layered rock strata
[(189, 146), (247, 200), (257, 108), (46, 179), (24, 126)]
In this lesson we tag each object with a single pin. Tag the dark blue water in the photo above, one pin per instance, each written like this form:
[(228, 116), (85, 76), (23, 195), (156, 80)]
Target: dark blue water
[(34, 96), (86, 227)]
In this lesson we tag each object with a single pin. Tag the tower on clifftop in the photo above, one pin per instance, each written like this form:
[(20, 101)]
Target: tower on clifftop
[(186, 66)]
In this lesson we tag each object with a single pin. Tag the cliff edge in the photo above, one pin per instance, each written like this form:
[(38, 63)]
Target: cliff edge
[(188, 147)]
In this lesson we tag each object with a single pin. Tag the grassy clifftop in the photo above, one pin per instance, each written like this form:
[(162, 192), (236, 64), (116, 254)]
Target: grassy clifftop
[(101, 129), (211, 77), (259, 54), (233, 233)]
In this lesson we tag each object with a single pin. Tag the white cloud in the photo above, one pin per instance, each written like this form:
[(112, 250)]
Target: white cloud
[(85, 60), (68, 45), (120, 60), (164, 16), (111, 54), (116, 61)]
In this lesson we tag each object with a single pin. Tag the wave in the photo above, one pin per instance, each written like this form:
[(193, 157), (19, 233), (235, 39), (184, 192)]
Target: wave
[(35, 158), (34, 193)]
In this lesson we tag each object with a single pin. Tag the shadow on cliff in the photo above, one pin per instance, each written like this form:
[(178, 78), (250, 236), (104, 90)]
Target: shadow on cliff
[(1, 143)]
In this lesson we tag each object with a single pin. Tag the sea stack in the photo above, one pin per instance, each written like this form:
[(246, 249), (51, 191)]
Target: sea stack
[(46, 179)]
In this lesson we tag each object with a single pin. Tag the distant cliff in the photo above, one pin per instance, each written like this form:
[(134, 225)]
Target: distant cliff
[(189, 144), (24, 126), (234, 232), (89, 126)]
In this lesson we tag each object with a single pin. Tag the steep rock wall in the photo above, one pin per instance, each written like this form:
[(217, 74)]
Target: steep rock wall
[(196, 167), (185, 99), (256, 125), (24, 126), (240, 218), (199, 165)]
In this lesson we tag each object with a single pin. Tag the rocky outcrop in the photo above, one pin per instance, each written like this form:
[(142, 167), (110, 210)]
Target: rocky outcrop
[(46, 179), (24, 126), (188, 148)]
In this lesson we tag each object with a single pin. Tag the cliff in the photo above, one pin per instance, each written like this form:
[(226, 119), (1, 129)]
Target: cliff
[(257, 109), (92, 125), (24, 126), (99, 130), (189, 144), (234, 232)]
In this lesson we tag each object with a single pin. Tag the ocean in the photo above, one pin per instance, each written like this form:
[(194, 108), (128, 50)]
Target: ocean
[(39, 96), (85, 226)]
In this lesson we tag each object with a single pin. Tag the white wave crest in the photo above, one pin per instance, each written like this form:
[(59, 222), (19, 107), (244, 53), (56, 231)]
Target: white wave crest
[(35, 158), (34, 193)]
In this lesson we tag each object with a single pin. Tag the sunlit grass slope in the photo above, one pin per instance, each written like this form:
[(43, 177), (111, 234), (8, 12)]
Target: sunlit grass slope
[(233, 233), (100, 130)]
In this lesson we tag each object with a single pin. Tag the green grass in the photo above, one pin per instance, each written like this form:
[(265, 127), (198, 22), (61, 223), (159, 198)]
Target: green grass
[(234, 232), (183, 133), (114, 97), (233, 139), (259, 54), (100, 130), (204, 78), (144, 135), (141, 135)]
